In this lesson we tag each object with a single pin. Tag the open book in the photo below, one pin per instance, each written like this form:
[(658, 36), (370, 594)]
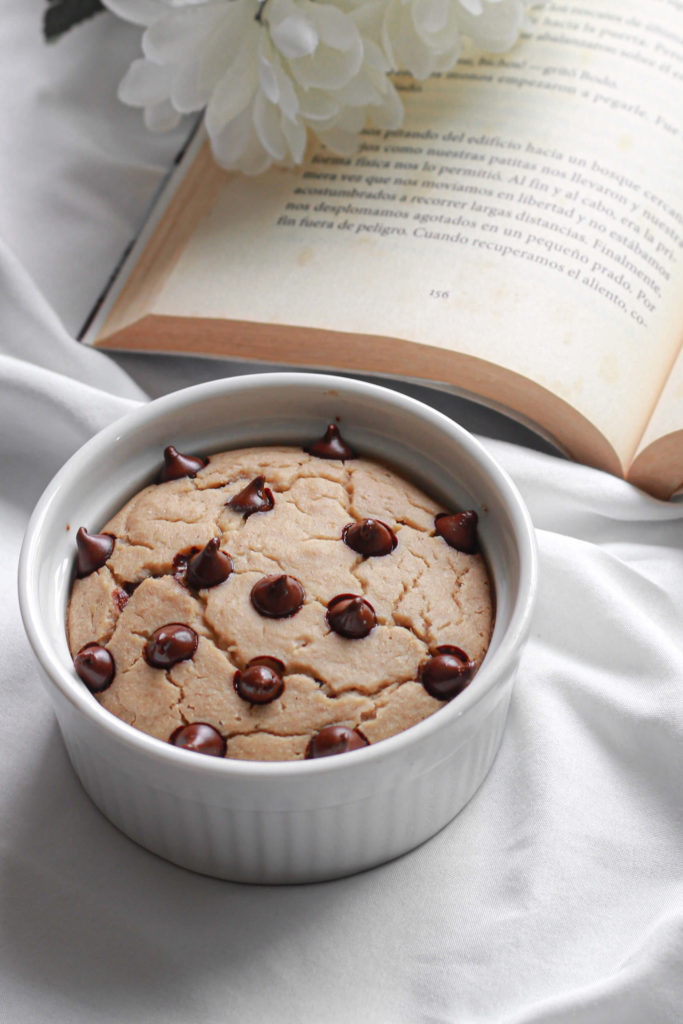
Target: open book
[(518, 240)]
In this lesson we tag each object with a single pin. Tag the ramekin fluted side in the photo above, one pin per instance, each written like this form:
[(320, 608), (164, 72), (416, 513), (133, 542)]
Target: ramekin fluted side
[(291, 846)]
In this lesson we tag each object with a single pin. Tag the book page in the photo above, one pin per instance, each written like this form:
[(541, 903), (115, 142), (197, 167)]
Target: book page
[(528, 214), (668, 415), (658, 466)]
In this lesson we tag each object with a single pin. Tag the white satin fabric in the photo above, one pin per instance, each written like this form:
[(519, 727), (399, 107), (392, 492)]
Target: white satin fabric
[(556, 896)]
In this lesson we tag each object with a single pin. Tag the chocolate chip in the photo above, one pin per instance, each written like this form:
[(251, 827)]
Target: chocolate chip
[(261, 681), (447, 673), (255, 497), (369, 537), (170, 644), (208, 568), (93, 551), (95, 666), (277, 597), (199, 737), (351, 616), (335, 739), (331, 446), (180, 563), (266, 659), (177, 465), (120, 598), (459, 530)]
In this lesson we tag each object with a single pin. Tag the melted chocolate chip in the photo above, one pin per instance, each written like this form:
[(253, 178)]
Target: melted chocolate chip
[(95, 666), (255, 497), (177, 465), (351, 616), (370, 537), (123, 593), (331, 446), (261, 681), (458, 530), (93, 551), (199, 737), (447, 673), (335, 739), (208, 568), (277, 597), (180, 563), (170, 644)]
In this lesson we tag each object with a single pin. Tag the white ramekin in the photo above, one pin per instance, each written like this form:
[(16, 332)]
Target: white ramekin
[(290, 821)]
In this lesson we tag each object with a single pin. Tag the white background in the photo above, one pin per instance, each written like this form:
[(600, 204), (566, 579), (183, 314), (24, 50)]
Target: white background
[(555, 896)]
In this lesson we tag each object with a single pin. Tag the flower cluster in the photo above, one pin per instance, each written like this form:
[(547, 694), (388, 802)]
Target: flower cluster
[(270, 71)]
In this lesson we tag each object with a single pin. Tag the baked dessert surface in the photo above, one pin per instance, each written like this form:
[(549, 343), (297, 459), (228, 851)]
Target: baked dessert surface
[(425, 595)]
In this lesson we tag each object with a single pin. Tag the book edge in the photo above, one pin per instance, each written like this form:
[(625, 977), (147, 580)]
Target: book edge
[(291, 345), (148, 239), (658, 468)]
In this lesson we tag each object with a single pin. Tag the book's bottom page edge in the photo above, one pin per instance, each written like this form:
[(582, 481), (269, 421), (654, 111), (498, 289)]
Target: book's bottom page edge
[(285, 347), (541, 439), (658, 469)]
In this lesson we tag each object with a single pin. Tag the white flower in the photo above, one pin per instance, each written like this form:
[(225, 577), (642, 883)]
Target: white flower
[(270, 71), (424, 36)]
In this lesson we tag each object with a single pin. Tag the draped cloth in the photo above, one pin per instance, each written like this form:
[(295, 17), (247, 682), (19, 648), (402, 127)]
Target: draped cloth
[(555, 897)]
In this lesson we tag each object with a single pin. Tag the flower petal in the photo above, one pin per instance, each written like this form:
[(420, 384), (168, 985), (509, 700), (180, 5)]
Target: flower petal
[(145, 83), (268, 78), (351, 120), (430, 18), (234, 92), (267, 126), (368, 19), (389, 114), (317, 105), (173, 37), (275, 82), (339, 141), (296, 136), (374, 57), (188, 91), (474, 7), (294, 36), (161, 117), (335, 28), (237, 147), (196, 78), (497, 28), (327, 68), (360, 91)]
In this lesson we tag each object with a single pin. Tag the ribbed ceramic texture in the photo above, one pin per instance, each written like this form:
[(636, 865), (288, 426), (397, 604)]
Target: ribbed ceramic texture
[(291, 821), (280, 847)]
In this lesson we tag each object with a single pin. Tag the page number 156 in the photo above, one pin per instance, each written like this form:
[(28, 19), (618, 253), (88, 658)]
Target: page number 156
[(436, 293)]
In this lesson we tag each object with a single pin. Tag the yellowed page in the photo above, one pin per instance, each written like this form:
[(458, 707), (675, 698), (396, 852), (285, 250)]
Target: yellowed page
[(529, 213), (658, 466), (668, 415)]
